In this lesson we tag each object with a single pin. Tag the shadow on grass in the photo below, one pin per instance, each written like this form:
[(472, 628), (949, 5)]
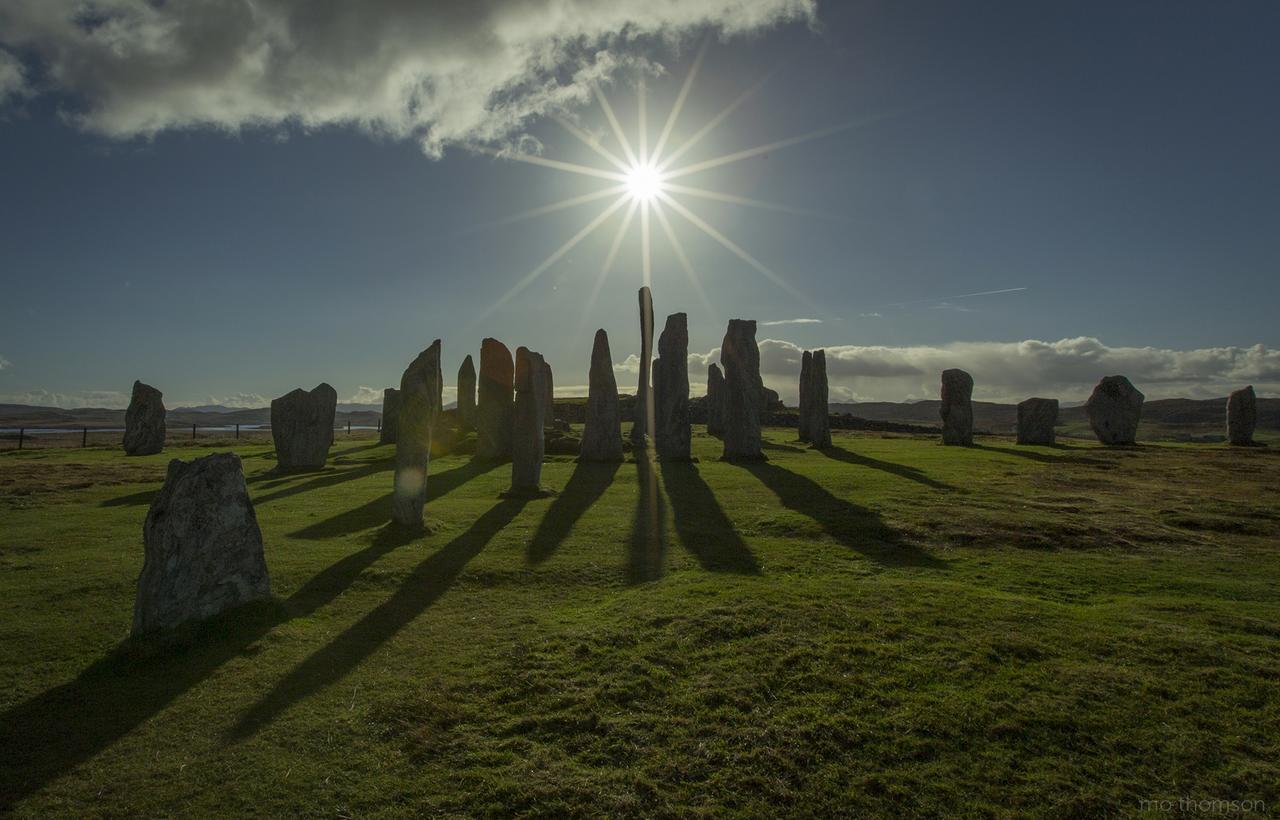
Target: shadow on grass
[(132, 499), (702, 525), (586, 485), (647, 548), (769, 445), (329, 478), (856, 527), (1043, 458), (900, 470), (422, 588)]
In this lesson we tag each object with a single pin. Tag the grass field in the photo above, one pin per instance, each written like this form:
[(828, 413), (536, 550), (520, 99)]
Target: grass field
[(892, 627)]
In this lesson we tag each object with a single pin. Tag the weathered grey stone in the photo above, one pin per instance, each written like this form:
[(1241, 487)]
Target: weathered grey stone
[(467, 395), (202, 549), (672, 434), (144, 421), (770, 401), (528, 444), (806, 363), (390, 415), (494, 410), (419, 410), (1114, 409), (957, 407), (1036, 420), (302, 427), (1242, 416), (644, 410), (715, 401), (602, 431), (549, 399), (742, 391), (819, 415)]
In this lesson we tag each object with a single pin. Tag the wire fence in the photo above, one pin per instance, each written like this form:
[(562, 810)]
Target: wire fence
[(38, 438)]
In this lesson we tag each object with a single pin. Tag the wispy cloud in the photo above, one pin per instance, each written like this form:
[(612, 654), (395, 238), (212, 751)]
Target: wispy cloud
[(5, 363), (776, 322), (946, 300)]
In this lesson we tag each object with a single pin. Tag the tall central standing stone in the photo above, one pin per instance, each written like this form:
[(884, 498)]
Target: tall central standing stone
[(419, 409), (671, 391), (302, 427), (819, 417), (144, 421), (528, 442), (802, 423), (742, 389), (466, 395), (390, 415), (644, 411), (1114, 408), (1242, 416), (494, 411), (602, 432), (957, 407), (715, 401)]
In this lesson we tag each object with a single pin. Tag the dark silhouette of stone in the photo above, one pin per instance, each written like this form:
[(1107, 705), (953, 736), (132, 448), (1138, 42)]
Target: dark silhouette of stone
[(957, 407), (390, 415), (1242, 416), (549, 400), (1036, 420), (742, 391), (802, 422), (202, 549), (494, 410), (467, 395), (302, 427), (672, 434), (770, 401), (528, 443), (144, 421), (715, 401), (819, 423), (602, 430), (419, 410), (644, 410), (1114, 409)]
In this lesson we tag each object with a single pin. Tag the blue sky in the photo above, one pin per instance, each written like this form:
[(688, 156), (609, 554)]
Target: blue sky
[(179, 213)]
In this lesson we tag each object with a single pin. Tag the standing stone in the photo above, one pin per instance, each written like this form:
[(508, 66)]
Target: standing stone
[(742, 391), (1036, 420), (644, 410), (202, 549), (1242, 416), (806, 363), (549, 402), (390, 415), (144, 421), (419, 409), (602, 432), (1114, 408), (957, 407), (302, 427), (672, 434), (466, 395), (528, 442), (819, 422), (715, 401), (494, 410)]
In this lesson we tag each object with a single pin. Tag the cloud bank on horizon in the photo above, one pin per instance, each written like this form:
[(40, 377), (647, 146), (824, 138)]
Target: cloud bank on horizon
[(438, 72)]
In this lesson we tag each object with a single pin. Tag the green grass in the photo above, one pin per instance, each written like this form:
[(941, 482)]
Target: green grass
[(892, 628)]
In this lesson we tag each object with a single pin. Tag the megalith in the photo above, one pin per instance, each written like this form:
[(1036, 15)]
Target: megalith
[(528, 443), (467, 395), (549, 395), (602, 431), (494, 408), (302, 427), (672, 434), (819, 422), (742, 391), (644, 410), (419, 410), (1036, 421), (390, 411), (957, 407), (202, 549), (1114, 409), (715, 401), (1242, 416), (144, 421), (802, 421)]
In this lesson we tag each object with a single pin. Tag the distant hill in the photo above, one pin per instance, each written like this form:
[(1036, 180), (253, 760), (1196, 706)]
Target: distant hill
[(209, 415)]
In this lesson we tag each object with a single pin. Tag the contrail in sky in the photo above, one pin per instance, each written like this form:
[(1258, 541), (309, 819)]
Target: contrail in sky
[(949, 298)]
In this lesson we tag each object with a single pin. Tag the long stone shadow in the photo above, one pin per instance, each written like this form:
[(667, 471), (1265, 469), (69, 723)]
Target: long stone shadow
[(329, 479), (858, 528), (48, 735), (647, 548), (586, 485), (378, 510), (424, 586), (701, 523), (132, 499), (900, 470), (1043, 458)]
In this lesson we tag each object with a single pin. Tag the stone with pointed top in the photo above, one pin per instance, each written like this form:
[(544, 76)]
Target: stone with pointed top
[(644, 402), (467, 395), (420, 390), (1036, 421), (302, 427), (494, 409), (1114, 409), (1242, 416), (802, 422), (144, 421), (715, 401), (743, 388), (957, 407), (602, 431)]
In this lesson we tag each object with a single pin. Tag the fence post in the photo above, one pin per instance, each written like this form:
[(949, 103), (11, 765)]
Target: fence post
[(21, 432), (237, 431), (348, 426), (84, 438), (193, 432)]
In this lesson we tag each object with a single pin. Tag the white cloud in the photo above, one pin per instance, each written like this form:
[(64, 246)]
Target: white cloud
[(110, 399), (13, 81), (5, 363), (365, 395), (791, 322), (437, 71)]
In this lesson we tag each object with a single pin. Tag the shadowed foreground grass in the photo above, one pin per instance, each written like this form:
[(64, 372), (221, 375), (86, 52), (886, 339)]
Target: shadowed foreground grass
[(889, 627)]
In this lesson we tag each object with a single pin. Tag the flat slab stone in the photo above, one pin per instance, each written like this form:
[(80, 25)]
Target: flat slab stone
[(528, 442), (1114, 409), (819, 422), (715, 401), (802, 422), (420, 387), (494, 407), (1037, 419), (743, 390), (672, 432), (144, 421), (1242, 416), (390, 415), (957, 407), (302, 427)]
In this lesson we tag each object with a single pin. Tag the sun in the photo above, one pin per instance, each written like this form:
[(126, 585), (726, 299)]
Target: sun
[(644, 182)]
